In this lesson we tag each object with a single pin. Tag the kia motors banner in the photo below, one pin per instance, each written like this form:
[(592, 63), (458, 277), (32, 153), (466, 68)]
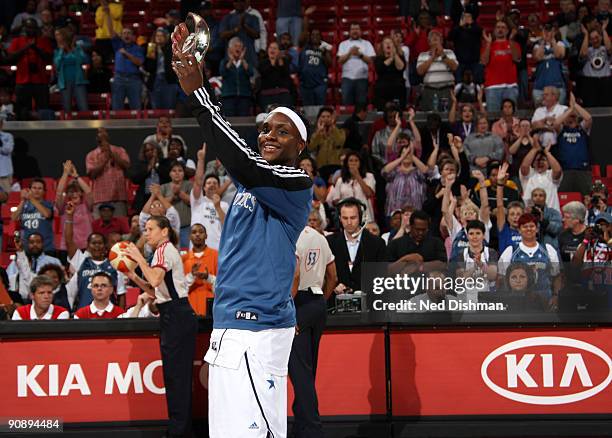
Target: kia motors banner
[(120, 378), (490, 372)]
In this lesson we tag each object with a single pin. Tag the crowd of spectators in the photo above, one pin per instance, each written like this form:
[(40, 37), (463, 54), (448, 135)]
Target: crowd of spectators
[(426, 61), (475, 197)]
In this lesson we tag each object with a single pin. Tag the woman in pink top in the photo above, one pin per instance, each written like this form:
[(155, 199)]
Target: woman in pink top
[(78, 193)]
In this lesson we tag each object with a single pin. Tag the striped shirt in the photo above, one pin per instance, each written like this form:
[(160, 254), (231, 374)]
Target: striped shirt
[(438, 75), (174, 285)]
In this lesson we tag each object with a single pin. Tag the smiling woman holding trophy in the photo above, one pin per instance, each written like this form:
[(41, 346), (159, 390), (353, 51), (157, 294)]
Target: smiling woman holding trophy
[(254, 315)]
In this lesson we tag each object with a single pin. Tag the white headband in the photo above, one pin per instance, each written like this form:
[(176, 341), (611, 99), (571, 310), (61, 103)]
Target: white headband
[(297, 121)]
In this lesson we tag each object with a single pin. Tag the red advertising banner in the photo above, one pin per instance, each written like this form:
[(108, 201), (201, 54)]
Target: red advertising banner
[(120, 378), (350, 374), (501, 372), (90, 380)]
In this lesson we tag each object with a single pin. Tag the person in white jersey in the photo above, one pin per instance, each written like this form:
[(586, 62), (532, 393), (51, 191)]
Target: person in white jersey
[(316, 271), (177, 321)]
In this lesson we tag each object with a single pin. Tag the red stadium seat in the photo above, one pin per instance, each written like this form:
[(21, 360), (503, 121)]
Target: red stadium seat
[(6, 211), (608, 170), (596, 170), (565, 197), (6, 259), (131, 296), (14, 198), (157, 113), (123, 114)]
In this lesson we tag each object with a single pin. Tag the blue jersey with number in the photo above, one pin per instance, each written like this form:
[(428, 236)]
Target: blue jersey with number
[(312, 68), (258, 241), (32, 221), (85, 273), (540, 263), (573, 149)]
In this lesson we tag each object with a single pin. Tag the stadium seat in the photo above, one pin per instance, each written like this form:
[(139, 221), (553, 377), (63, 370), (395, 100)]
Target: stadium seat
[(608, 170), (122, 114), (565, 197), (14, 198), (6, 259), (596, 170), (6, 211), (131, 296)]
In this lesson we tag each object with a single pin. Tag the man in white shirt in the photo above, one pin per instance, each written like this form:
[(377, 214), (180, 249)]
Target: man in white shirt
[(545, 115), (355, 55), (316, 272), (540, 169), (207, 208)]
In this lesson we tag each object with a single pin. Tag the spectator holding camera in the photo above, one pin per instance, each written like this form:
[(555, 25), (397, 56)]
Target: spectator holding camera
[(594, 255), (541, 169), (599, 202), (550, 224)]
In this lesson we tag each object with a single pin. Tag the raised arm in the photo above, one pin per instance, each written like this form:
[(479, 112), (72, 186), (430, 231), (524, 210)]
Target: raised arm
[(198, 180), (557, 171), (526, 164), (499, 195), (484, 198), (273, 185), (71, 246)]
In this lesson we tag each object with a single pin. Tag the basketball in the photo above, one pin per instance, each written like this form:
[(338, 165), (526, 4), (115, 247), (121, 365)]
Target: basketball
[(121, 261)]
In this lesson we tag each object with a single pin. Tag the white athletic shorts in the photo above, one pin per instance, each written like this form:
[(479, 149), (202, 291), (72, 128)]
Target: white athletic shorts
[(247, 383)]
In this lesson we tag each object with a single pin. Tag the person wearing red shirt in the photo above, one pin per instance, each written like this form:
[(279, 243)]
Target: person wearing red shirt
[(101, 306), (31, 53), (108, 224), (500, 57), (41, 290)]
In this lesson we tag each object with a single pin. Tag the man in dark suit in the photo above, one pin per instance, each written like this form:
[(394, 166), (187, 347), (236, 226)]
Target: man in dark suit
[(353, 245), (416, 250)]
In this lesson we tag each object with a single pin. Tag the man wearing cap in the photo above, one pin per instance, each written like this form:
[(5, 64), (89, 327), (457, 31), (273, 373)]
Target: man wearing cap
[(254, 314), (106, 223), (437, 67)]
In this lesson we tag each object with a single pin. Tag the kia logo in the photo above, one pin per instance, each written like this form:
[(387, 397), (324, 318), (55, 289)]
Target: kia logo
[(535, 369)]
